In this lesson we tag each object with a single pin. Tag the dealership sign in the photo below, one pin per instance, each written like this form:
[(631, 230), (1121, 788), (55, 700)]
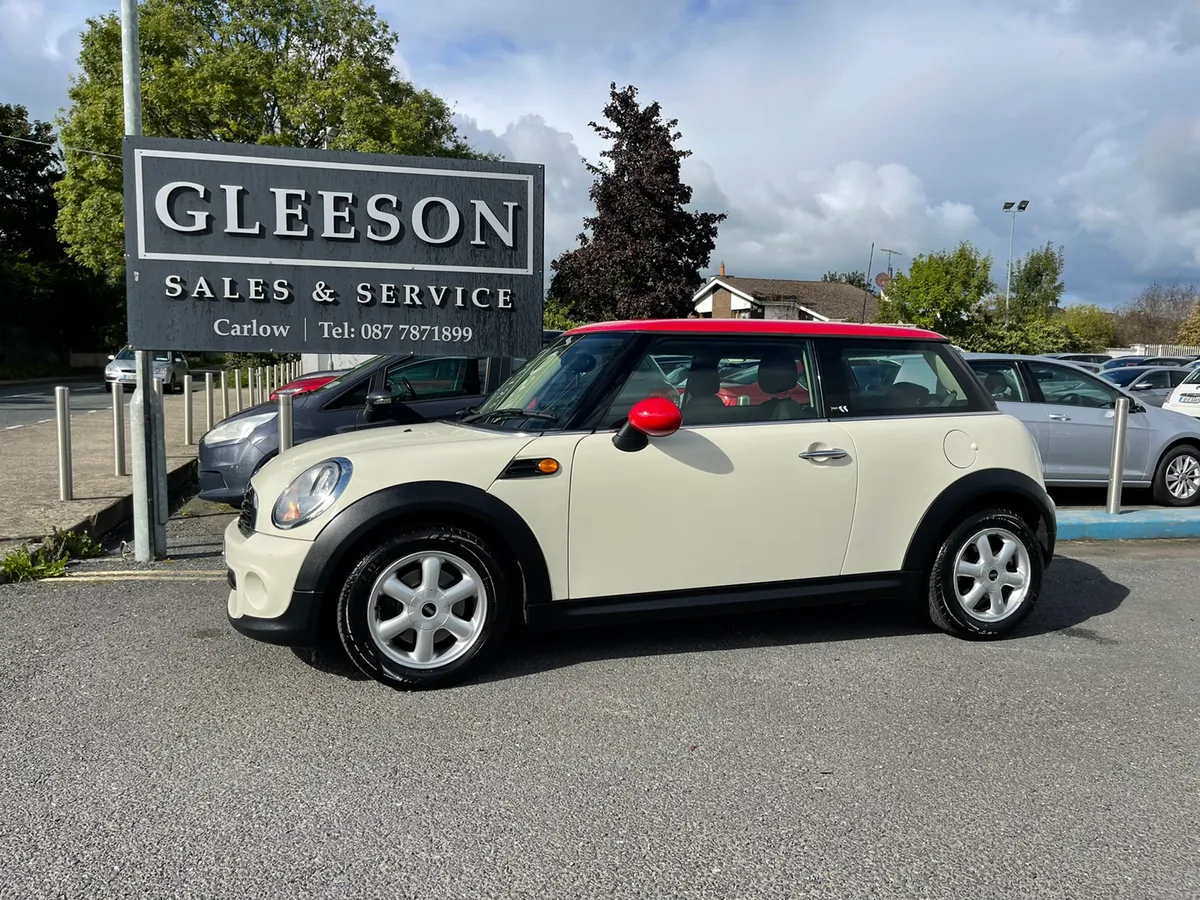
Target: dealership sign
[(237, 247)]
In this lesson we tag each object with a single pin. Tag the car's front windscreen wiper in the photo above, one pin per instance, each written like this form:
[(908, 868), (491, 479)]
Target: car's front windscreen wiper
[(510, 414)]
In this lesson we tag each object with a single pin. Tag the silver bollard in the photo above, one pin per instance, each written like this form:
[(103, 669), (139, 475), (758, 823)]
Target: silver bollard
[(237, 387), (208, 401), (119, 431), (62, 418), (258, 377), (187, 410), (1116, 471), (285, 422), (224, 395)]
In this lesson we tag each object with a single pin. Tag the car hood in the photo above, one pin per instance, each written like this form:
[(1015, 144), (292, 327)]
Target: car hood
[(388, 456)]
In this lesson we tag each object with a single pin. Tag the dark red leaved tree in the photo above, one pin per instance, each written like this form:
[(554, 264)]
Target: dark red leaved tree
[(640, 256)]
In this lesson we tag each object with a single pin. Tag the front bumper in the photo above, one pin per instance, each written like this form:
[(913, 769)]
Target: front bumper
[(262, 574), (226, 469)]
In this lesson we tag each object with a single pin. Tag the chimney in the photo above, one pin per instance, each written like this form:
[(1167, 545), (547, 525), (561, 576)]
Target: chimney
[(722, 270)]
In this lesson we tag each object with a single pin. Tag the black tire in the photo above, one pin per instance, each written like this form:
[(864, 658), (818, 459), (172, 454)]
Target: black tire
[(1178, 456), (945, 610), (353, 608), (108, 387)]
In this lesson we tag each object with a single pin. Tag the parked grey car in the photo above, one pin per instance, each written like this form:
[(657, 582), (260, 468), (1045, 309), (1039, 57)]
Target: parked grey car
[(1151, 384), (170, 366), (1070, 414), (383, 391)]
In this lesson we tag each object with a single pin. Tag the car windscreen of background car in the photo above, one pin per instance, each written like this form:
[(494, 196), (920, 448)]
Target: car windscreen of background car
[(1123, 377)]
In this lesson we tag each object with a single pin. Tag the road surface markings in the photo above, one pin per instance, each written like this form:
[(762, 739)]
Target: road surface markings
[(144, 575)]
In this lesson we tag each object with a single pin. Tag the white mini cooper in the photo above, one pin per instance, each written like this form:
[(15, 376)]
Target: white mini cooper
[(864, 462)]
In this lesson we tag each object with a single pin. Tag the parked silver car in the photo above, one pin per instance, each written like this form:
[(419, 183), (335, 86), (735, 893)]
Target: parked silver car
[(170, 366), (1070, 414), (1152, 384)]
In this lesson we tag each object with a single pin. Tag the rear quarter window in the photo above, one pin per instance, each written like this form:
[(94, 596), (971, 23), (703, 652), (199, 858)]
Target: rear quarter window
[(865, 379)]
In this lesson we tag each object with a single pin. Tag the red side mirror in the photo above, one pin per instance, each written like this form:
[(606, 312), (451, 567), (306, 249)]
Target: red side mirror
[(656, 417)]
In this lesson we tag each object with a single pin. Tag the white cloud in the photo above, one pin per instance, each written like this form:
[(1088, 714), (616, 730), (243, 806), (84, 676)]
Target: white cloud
[(822, 127)]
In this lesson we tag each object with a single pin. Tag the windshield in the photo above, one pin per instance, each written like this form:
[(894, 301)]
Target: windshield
[(549, 388), (1124, 377), (1194, 378)]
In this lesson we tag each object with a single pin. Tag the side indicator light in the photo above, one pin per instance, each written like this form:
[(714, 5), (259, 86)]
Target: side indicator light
[(547, 466)]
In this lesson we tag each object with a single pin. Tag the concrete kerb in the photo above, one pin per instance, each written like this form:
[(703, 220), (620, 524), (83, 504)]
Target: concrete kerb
[(1164, 523), (120, 511)]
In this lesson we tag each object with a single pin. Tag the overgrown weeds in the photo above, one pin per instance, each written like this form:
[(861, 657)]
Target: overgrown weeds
[(49, 559)]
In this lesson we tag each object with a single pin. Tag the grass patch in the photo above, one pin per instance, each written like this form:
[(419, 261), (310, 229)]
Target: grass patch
[(48, 560)]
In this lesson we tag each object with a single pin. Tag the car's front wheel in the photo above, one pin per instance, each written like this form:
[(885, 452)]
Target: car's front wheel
[(425, 608), (986, 576), (1177, 479)]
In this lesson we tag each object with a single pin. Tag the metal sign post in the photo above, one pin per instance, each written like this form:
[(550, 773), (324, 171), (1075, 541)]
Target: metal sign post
[(149, 467)]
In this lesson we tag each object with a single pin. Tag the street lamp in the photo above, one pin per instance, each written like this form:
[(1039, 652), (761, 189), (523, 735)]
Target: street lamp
[(1013, 208)]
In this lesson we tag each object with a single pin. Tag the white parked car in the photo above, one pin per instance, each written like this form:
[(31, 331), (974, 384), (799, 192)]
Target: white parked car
[(868, 460), (1186, 397)]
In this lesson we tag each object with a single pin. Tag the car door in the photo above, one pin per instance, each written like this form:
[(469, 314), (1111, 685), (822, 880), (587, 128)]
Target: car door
[(1004, 382), (764, 491), (1080, 409), (1153, 387), (425, 389)]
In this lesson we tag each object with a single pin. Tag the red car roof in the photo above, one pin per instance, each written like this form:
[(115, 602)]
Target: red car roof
[(763, 326)]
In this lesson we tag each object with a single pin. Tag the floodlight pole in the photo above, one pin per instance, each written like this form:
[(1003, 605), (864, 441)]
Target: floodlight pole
[(1013, 209), (147, 439)]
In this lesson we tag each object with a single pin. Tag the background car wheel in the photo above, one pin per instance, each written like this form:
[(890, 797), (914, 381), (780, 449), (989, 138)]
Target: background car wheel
[(986, 576), (425, 608), (1177, 479)]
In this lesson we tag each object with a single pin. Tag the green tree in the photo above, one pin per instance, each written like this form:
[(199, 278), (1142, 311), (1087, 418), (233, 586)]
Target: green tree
[(856, 278), (300, 73), (1189, 331), (1093, 329), (60, 305), (1037, 285), (1045, 334), (640, 256), (942, 291)]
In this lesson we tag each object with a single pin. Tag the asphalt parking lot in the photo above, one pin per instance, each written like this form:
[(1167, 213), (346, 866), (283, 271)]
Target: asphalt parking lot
[(148, 750)]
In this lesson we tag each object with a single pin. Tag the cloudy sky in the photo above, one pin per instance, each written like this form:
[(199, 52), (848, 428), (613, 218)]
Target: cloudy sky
[(819, 127)]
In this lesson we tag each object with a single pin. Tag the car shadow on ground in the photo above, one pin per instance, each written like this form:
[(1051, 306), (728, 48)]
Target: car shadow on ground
[(1074, 592)]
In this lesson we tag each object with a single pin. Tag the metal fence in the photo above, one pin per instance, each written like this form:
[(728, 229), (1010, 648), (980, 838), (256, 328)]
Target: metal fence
[(250, 387)]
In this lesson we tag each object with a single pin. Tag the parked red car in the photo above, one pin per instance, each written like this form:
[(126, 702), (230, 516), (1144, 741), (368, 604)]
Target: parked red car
[(304, 384)]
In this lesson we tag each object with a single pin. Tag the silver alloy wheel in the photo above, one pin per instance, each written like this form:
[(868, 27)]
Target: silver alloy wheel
[(992, 574), (427, 609), (1183, 477)]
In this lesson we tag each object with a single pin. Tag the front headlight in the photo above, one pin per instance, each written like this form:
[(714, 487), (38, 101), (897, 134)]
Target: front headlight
[(314, 491), (237, 429)]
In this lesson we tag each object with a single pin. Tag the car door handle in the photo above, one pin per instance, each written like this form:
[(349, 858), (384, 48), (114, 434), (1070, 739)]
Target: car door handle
[(831, 453), (1058, 417)]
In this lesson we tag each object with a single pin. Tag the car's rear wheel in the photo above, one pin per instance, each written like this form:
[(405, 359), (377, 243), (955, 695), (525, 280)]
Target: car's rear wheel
[(986, 576), (1177, 479), (425, 608)]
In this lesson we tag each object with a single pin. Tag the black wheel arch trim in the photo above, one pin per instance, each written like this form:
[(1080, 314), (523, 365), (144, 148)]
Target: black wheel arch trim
[(428, 499), (939, 518)]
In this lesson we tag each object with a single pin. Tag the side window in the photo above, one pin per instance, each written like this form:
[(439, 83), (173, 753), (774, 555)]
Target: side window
[(723, 380), (1062, 386), (1001, 380), (1177, 378), (355, 397), (434, 379), (895, 378), (1158, 380)]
